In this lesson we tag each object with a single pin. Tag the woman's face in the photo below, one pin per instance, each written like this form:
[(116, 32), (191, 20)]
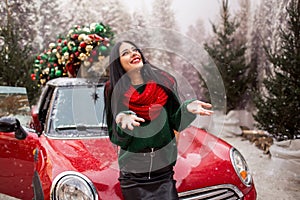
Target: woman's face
[(130, 57)]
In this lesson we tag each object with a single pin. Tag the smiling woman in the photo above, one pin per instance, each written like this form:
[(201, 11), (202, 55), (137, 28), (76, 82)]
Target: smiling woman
[(130, 59), (143, 110)]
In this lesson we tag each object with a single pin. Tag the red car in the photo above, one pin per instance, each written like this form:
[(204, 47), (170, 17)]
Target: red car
[(66, 153)]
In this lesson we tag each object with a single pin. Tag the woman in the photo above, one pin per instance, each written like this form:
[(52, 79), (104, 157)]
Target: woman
[(143, 110)]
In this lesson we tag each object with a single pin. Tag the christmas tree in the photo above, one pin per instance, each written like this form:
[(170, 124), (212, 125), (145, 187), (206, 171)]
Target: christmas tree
[(279, 102), (228, 55)]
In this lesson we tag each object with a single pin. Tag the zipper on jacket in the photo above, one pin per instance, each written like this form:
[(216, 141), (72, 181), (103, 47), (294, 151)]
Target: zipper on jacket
[(152, 154)]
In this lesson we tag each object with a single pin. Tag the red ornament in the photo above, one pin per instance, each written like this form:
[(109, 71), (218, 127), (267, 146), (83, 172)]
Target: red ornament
[(96, 37), (70, 69), (74, 36), (106, 41), (82, 44), (33, 77), (94, 53)]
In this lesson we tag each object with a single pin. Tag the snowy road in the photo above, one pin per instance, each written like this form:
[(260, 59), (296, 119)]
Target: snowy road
[(271, 180)]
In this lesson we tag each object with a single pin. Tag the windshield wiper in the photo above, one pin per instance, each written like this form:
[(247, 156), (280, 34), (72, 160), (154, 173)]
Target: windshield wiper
[(81, 127)]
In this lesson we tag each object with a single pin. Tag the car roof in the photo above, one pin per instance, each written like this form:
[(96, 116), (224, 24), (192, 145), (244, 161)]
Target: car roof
[(66, 81)]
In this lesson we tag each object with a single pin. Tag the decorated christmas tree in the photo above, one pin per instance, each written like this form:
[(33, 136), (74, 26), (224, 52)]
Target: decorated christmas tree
[(279, 102), (81, 51)]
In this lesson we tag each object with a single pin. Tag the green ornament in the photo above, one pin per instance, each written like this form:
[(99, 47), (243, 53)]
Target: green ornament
[(58, 73), (52, 59), (99, 28), (64, 49), (44, 56), (102, 48), (52, 74), (74, 49), (37, 66)]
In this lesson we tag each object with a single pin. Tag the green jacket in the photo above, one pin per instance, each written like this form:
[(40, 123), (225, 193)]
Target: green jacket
[(155, 134)]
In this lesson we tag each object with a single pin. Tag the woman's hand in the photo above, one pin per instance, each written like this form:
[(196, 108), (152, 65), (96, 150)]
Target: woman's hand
[(199, 107), (128, 120)]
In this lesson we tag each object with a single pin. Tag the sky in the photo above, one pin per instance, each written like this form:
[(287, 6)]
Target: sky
[(188, 11)]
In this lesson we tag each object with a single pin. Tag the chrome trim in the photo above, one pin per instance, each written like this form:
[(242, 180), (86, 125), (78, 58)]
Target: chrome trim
[(207, 189), (75, 138), (248, 171), (73, 173)]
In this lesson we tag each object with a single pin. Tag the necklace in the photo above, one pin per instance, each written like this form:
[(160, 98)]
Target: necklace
[(137, 82)]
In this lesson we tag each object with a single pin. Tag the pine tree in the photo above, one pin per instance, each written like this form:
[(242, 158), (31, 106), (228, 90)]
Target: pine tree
[(197, 31), (279, 105), (265, 33), (229, 56), (243, 16), (15, 59), (255, 52), (163, 17), (113, 14), (51, 23), (139, 33), (25, 17), (77, 12)]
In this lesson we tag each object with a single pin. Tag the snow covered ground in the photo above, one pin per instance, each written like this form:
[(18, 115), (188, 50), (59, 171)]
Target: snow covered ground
[(272, 180)]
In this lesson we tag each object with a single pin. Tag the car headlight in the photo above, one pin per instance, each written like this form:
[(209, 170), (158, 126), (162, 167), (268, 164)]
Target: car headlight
[(73, 185), (240, 166)]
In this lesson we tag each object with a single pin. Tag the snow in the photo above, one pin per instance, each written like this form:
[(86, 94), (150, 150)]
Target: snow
[(271, 179)]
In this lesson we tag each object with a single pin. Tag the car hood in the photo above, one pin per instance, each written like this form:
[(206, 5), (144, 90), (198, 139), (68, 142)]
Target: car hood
[(203, 160)]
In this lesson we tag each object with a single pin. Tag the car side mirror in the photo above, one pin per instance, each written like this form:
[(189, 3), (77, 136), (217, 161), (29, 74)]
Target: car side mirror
[(12, 124)]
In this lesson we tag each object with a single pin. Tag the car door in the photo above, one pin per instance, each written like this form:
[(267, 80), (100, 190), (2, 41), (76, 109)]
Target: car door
[(16, 156)]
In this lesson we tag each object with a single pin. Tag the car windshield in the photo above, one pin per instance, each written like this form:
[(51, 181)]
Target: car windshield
[(14, 103), (78, 112)]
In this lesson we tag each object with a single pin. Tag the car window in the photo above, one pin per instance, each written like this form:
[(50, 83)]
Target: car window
[(78, 111), (14, 102)]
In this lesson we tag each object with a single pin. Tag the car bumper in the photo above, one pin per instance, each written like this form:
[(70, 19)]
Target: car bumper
[(251, 195)]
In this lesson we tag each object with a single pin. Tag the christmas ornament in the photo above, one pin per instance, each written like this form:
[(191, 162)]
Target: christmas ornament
[(82, 45)]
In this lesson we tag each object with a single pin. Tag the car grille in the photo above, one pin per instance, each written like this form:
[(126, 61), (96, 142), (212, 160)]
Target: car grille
[(218, 192)]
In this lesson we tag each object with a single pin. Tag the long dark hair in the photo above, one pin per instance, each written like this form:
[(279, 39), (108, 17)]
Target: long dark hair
[(119, 82)]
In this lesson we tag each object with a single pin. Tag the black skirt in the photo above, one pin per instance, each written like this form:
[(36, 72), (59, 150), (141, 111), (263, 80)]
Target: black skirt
[(160, 185)]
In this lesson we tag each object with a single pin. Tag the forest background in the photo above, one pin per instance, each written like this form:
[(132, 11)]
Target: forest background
[(250, 31)]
